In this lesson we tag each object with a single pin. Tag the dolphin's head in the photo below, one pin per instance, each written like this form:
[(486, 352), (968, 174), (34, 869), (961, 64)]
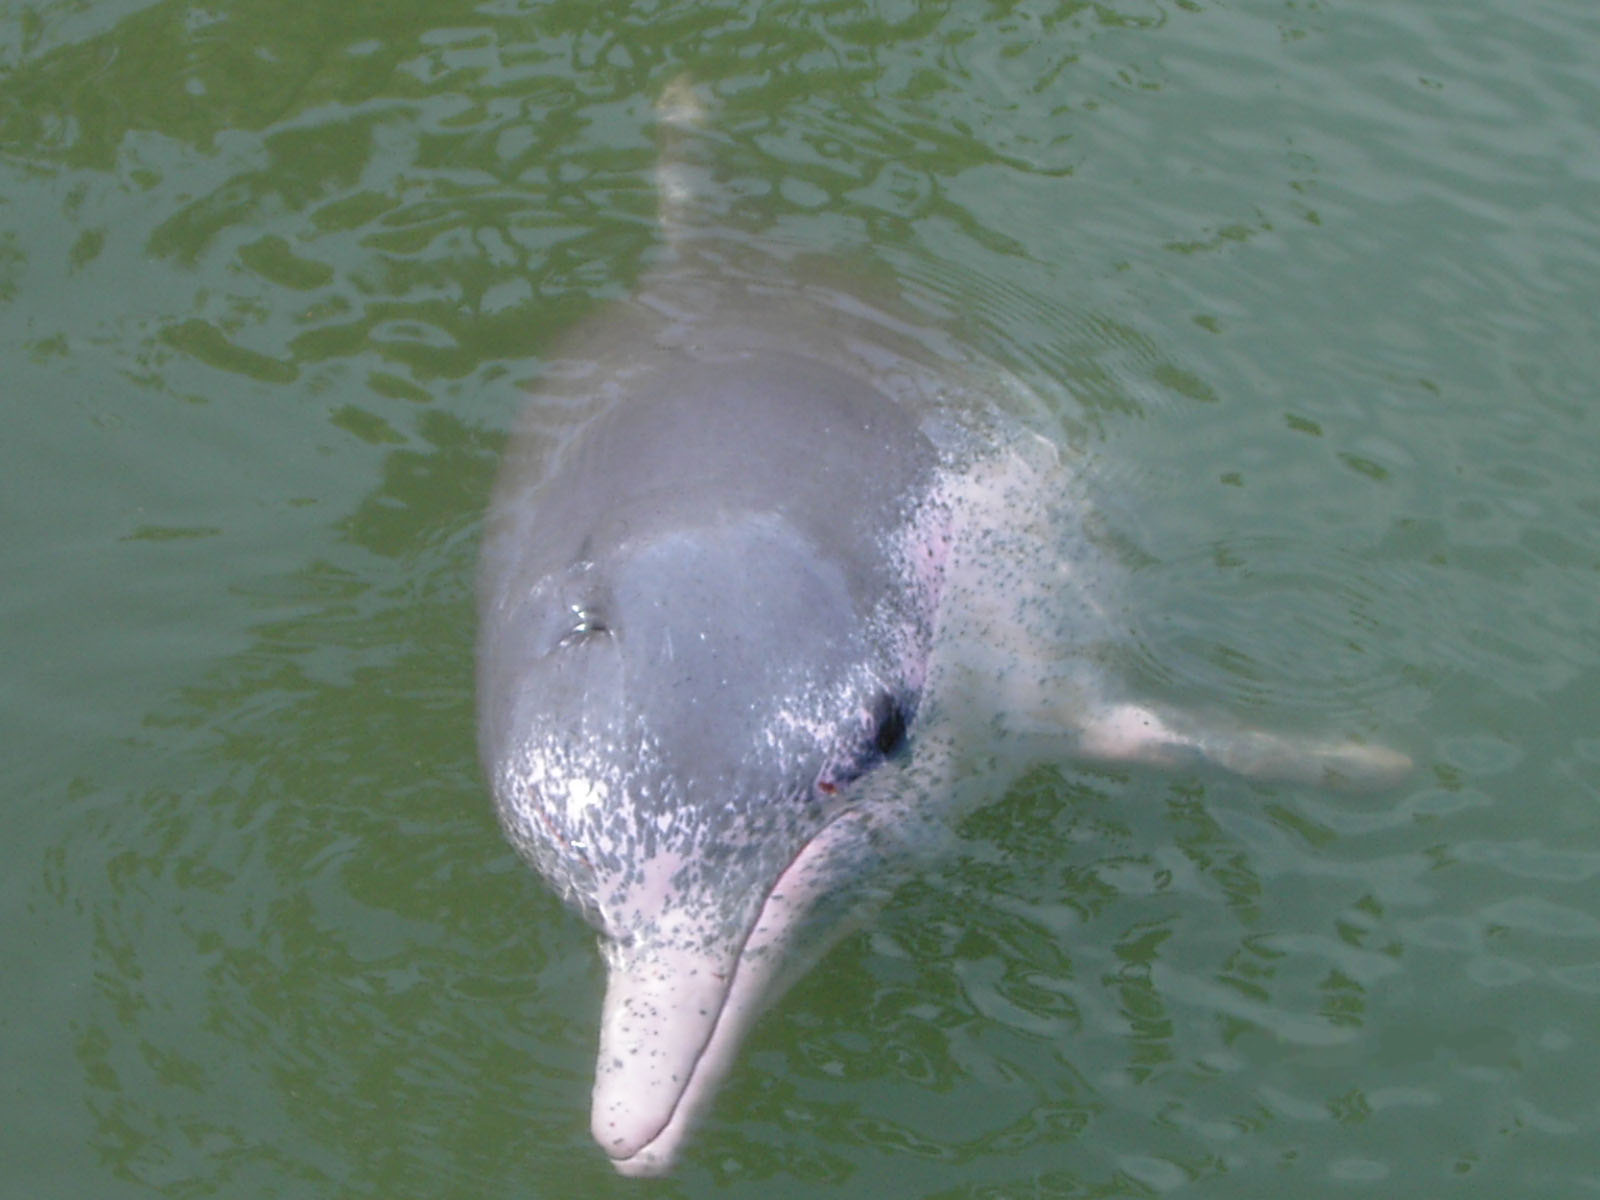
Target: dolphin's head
[(679, 726)]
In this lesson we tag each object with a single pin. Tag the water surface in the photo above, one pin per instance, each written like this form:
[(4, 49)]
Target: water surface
[(1313, 285)]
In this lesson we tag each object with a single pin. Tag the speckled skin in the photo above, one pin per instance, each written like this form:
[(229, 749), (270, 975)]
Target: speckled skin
[(775, 580)]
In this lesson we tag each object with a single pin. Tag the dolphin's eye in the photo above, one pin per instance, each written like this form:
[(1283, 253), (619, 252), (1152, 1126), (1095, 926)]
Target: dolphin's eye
[(889, 724), (885, 737)]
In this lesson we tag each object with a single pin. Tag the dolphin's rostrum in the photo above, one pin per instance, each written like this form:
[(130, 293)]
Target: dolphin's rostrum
[(774, 581)]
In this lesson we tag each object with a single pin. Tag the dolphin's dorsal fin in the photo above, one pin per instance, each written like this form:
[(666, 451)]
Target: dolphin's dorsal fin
[(686, 188)]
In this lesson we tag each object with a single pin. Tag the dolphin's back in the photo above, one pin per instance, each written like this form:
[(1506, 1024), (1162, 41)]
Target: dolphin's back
[(770, 433)]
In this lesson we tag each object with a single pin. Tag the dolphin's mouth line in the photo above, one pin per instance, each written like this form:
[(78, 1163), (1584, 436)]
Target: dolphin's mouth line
[(700, 1054), (644, 1151)]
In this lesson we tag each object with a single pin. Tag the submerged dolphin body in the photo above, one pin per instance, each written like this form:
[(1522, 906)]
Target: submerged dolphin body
[(773, 584)]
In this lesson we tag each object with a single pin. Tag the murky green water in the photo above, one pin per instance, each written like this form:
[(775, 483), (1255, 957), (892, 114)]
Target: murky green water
[(1316, 282)]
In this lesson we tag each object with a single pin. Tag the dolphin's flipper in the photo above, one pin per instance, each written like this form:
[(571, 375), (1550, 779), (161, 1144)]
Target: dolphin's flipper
[(1023, 604), (1132, 733)]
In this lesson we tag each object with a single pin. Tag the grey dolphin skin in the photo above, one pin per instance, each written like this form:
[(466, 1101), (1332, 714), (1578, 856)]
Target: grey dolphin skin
[(774, 585)]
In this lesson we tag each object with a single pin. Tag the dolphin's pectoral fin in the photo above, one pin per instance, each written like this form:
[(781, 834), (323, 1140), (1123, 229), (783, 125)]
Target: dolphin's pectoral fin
[(1133, 733)]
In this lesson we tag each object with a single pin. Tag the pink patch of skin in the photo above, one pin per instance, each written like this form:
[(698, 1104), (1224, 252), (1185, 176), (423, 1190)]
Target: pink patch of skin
[(674, 1019)]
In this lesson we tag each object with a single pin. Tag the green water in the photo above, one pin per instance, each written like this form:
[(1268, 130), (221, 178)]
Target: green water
[(1317, 285)]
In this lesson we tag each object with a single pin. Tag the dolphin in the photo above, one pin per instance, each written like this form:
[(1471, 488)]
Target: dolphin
[(776, 581)]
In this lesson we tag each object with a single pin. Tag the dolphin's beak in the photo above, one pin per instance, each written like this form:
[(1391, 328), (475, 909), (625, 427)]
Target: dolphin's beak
[(678, 1006), (672, 1019)]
